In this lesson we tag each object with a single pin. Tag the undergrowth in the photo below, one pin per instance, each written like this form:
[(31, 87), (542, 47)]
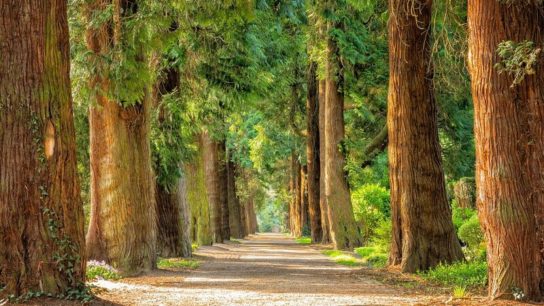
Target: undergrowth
[(461, 274), (304, 240), (177, 263)]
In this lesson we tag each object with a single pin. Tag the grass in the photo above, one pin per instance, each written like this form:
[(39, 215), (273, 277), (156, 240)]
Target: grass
[(343, 258), (304, 240), (461, 274), (459, 292), (372, 256), (194, 246), (177, 263)]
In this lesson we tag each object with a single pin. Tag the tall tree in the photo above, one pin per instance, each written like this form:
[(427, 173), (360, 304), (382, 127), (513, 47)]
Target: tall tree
[(235, 212), (325, 225), (41, 213), (211, 164), (312, 153), (122, 182), (344, 230), (509, 130), (223, 189), (423, 232)]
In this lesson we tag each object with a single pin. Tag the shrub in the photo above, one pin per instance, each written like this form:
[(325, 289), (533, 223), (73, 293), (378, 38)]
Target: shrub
[(461, 215), (460, 274), (471, 233), (101, 270), (370, 206)]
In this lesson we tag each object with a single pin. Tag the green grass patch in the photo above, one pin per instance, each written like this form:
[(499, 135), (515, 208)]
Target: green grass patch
[(194, 246), (304, 240), (461, 274), (343, 258), (177, 263), (373, 256)]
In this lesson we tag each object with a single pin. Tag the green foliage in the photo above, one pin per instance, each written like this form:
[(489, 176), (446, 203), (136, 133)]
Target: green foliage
[(459, 292), (461, 274), (371, 206), (461, 215), (100, 270), (518, 59), (343, 258), (177, 263), (471, 233), (373, 256)]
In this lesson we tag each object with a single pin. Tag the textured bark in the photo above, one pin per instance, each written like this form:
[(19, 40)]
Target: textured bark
[(509, 129), (201, 230), (211, 164), (423, 232), (344, 231), (325, 225), (304, 209), (122, 183), (223, 189), (312, 153), (173, 239), (41, 213), (295, 207), (235, 212)]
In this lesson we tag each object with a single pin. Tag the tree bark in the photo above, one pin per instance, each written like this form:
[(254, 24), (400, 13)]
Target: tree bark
[(235, 218), (325, 225), (201, 231), (211, 163), (423, 232), (509, 130), (312, 152), (173, 239), (122, 183), (41, 215), (344, 230), (223, 189), (295, 215)]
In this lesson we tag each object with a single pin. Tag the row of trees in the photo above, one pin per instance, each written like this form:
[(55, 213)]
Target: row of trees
[(505, 69)]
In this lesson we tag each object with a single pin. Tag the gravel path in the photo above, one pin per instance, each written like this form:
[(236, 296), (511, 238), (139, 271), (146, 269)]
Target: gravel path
[(265, 269)]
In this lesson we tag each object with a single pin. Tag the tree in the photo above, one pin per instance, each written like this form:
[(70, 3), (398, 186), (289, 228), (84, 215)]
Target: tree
[(423, 232), (235, 211), (211, 164), (343, 228), (223, 189), (122, 182), (312, 153), (41, 213), (508, 92)]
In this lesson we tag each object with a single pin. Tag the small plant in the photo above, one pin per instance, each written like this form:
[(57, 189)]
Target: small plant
[(101, 270), (459, 292), (343, 258), (177, 263), (461, 274), (518, 294), (194, 246), (304, 240), (373, 256)]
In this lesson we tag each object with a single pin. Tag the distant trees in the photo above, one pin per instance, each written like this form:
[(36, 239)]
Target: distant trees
[(41, 216), (508, 93), (423, 232)]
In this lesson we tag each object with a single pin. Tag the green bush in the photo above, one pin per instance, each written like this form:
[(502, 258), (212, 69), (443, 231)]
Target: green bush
[(461, 215), (370, 206), (471, 233), (460, 274)]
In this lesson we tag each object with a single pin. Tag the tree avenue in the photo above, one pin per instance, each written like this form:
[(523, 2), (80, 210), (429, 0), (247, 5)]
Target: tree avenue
[(404, 135)]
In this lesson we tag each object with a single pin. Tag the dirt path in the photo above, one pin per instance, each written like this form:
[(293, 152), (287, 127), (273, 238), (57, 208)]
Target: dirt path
[(265, 269)]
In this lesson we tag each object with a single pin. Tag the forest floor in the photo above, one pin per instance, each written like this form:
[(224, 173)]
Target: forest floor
[(270, 269)]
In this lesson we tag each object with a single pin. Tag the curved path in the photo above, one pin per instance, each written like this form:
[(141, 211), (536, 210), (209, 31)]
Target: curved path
[(265, 269)]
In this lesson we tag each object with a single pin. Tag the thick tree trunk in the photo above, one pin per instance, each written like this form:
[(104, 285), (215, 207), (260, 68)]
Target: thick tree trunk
[(325, 225), (312, 153), (509, 129), (423, 232), (223, 189), (344, 230), (41, 215), (295, 215), (122, 183), (211, 163), (201, 230), (304, 208), (173, 238), (235, 212)]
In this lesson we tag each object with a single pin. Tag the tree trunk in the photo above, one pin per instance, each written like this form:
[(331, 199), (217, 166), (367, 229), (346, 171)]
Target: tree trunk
[(201, 231), (312, 151), (122, 183), (295, 215), (235, 218), (211, 163), (344, 230), (304, 209), (41, 215), (325, 225), (509, 129), (423, 232), (223, 189), (173, 238)]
